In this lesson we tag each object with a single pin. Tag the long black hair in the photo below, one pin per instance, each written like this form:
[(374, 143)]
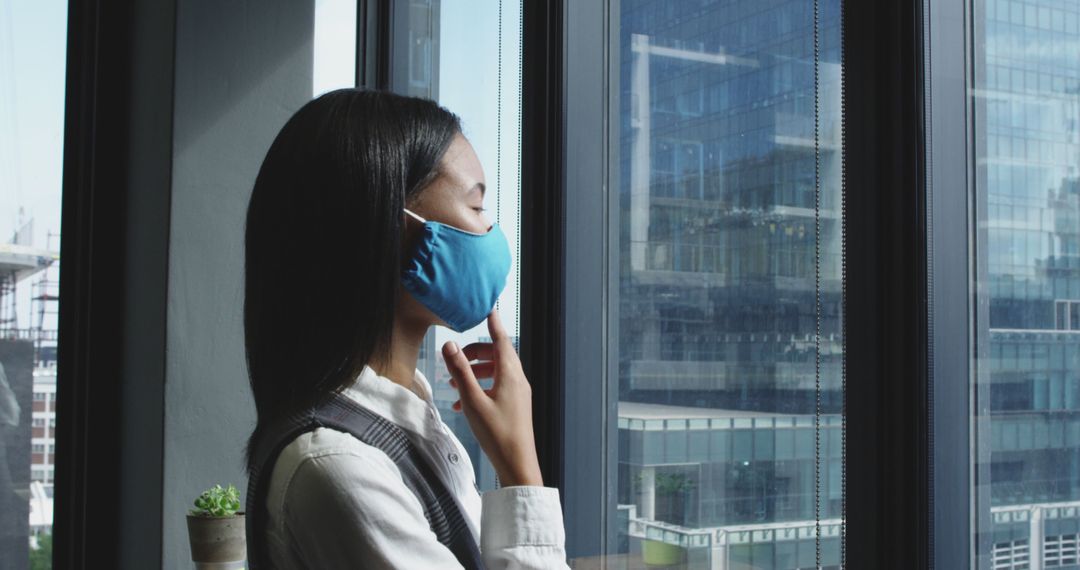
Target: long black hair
[(323, 241)]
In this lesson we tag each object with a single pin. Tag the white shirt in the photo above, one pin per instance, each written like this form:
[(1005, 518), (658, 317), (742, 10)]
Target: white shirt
[(336, 502)]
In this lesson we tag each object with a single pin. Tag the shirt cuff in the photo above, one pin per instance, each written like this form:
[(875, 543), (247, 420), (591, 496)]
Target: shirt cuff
[(521, 516)]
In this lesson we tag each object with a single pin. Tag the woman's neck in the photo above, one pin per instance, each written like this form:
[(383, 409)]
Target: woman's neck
[(400, 362)]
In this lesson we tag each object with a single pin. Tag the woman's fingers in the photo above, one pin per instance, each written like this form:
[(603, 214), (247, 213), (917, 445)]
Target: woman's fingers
[(456, 406), (502, 424), (459, 368), (480, 370), (505, 353), (479, 351), (496, 330), (483, 370)]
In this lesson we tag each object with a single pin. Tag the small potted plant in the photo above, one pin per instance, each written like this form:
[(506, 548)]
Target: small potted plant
[(216, 530)]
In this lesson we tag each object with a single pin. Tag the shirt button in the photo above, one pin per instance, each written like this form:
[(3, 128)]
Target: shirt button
[(453, 457)]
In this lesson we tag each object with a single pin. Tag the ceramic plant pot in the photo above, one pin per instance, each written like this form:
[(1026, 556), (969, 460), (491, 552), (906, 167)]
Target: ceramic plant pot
[(217, 543)]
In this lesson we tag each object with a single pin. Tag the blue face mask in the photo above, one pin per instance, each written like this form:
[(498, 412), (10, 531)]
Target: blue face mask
[(456, 274)]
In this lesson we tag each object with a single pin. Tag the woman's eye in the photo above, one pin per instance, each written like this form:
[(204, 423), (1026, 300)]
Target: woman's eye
[(480, 210)]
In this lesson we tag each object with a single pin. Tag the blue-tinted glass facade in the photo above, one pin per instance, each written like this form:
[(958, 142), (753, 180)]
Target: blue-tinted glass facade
[(1027, 125), (721, 261)]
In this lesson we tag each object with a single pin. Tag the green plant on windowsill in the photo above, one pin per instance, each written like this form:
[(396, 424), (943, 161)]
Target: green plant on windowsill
[(216, 529), (217, 501)]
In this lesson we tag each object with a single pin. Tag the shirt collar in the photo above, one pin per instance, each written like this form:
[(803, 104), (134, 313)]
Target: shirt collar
[(392, 400)]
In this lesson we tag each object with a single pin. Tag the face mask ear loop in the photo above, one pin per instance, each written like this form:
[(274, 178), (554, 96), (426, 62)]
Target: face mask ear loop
[(416, 217), (423, 221)]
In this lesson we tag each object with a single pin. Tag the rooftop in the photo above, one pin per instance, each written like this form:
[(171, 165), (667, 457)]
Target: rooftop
[(24, 261), (639, 411)]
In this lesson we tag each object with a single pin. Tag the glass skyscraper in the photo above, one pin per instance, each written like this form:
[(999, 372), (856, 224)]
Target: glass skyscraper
[(724, 269), (727, 259), (1027, 127)]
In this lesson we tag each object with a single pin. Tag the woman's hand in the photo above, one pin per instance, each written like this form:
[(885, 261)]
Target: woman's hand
[(500, 417)]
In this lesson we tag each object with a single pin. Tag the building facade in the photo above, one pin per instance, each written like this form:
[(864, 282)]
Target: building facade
[(727, 259), (1027, 103), (721, 165)]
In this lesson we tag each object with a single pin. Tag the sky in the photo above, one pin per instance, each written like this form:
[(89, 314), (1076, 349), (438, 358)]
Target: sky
[(33, 44)]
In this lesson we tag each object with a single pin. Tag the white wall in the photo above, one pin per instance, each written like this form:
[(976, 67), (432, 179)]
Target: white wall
[(242, 69)]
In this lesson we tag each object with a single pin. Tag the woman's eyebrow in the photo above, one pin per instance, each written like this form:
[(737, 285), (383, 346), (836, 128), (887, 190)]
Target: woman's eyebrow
[(480, 185)]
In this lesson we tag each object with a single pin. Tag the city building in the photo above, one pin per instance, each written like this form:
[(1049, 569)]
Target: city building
[(27, 398), (717, 292), (1028, 174), (718, 337), (43, 425)]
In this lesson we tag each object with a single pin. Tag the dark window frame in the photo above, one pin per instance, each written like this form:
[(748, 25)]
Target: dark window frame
[(374, 25), (113, 288), (952, 308), (588, 371), (886, 297), (542, 206)]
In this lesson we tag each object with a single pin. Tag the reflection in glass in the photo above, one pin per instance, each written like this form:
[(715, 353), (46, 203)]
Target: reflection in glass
[(718, 459), (1027, 180)]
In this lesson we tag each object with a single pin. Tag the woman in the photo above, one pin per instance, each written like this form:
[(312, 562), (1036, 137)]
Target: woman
[(365, 228)]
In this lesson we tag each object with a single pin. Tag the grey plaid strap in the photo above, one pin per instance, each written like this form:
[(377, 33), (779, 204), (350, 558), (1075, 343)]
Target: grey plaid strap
[(343, 414)]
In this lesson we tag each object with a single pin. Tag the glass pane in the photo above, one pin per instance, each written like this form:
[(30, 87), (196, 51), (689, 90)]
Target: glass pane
[(730, 285), (1027, 181), (33, 44), (466, 55), (334, 61)]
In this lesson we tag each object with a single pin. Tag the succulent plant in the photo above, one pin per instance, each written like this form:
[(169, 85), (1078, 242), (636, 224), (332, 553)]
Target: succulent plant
[(217, 501)]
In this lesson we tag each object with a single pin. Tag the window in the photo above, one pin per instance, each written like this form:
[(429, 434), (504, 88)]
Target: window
[(729, 426), (468, 58), (1026, 122), (1067, 315), (33, 41), (334, 61)]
